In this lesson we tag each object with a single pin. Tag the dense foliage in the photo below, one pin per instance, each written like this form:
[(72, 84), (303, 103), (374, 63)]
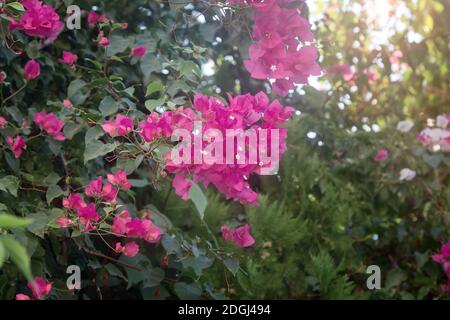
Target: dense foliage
[(85, 117)]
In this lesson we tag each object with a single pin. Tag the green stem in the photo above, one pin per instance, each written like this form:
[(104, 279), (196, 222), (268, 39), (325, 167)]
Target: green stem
[(15, 93)]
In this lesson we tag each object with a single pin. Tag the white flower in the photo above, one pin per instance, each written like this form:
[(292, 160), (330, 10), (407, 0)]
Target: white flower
[(442, 121), (405, 126), (407, 174)]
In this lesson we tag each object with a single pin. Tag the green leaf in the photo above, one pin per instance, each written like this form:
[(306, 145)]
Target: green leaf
[(17, 6), (95, 149), (109, 106), (394, 278), (51, 179), (199, 199), (170, 244), (114, 271), (93, 133), (39, 225), (152, 104), (75, 86), (9, 184), (189, 66), (18, 255), (187, 291), (118, 44), (232, 265), (8, 221), (2, 253), (53, 192), (155, 86), (153, 277), (75, 92), (71, 129)]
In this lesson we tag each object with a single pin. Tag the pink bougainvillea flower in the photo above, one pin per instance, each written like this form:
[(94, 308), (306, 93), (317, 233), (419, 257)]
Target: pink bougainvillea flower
[(121, 126), (444, 255), (130, 249), (16, 144), (240, 236), (3, 123), (182, 186), (120, 221), (21, 296), (371, 74), (94, 188), (104, 42), (67, 103), (93, 18), (276, 114), (152, 233), (139, 51), (74, 202), (2, 76), (119, 179), (87, 215), (150, 128), (244, 112), (443, 258), (102, 39), (106, 191), (39, 287), (138, 228), (39, 20), (281, 51), (50, 124), (382, 155), (109, 193), (32, 70), (63, 222), (68, 58), (344, 70), (437, 138), (135, 228)]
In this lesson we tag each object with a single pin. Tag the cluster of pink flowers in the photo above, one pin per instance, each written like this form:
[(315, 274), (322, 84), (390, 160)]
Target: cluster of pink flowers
[(344, 70), (50, 124), (139, 52), (437, 138), (382, 155), (121, 126), (2, 76), (94, 18), (68, 58), (443, 258), (3, 123), (240, 236), (39, 20), (348, 75), (16, 144), (86, 216), (32, 70), (278, 54), (39, 288), (245, 112), (126, 226)]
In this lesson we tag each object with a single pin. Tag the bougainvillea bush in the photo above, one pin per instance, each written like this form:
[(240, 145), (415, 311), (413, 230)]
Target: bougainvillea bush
[(101, 99)]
